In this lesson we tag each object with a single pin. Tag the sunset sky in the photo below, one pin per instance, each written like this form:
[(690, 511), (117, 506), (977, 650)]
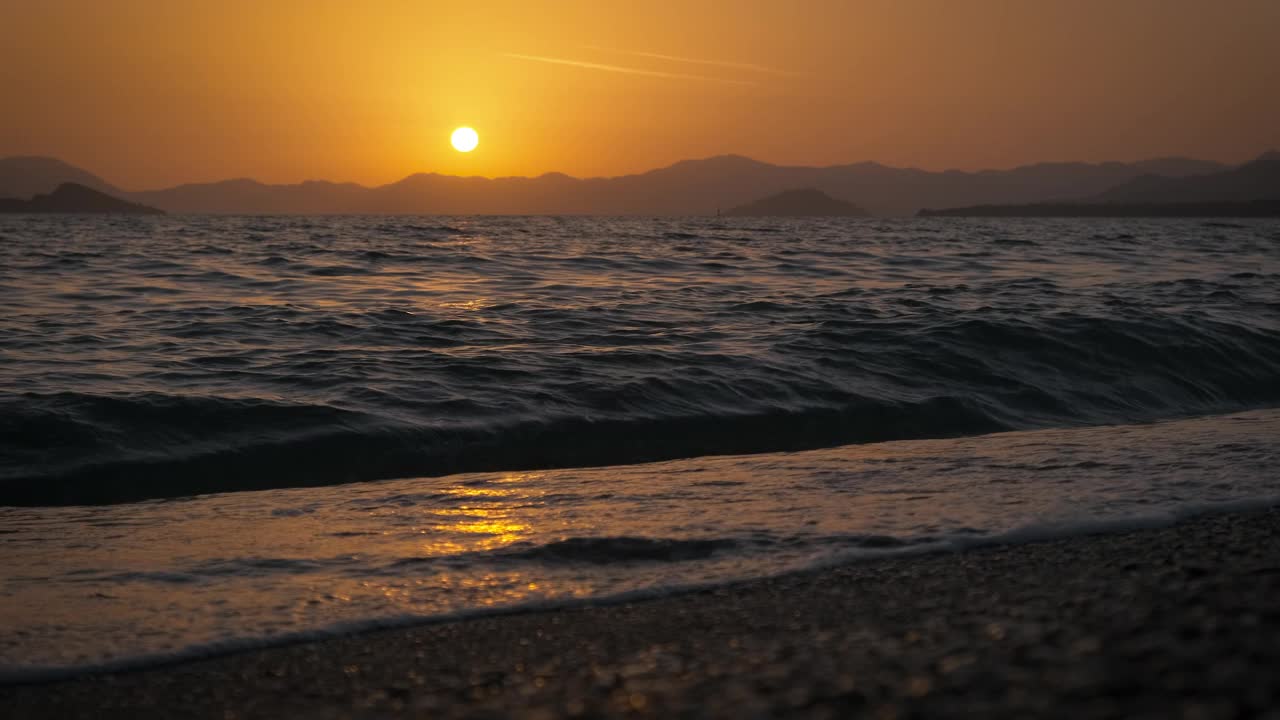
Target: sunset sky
[(150, 93)]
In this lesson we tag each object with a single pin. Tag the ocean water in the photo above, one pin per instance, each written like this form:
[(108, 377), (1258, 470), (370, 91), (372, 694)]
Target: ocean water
[(225, 432)]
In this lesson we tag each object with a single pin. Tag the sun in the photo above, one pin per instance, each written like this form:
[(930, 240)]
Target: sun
[(465, 139)]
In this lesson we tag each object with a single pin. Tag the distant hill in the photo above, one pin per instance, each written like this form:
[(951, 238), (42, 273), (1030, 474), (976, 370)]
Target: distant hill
[(26, 176), (1249, 190), (75, 198), (1252, 208), (1252, 181), (806, 202), (690, 187), (250, 197)]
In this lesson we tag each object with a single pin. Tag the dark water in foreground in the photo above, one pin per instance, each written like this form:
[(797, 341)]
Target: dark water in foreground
[(174, 356), (1131, 368)]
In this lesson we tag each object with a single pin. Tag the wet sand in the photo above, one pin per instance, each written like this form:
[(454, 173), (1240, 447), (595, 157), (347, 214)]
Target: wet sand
[(1177, 622)]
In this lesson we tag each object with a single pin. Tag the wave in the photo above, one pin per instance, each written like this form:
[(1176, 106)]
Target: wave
[(858, 382), (401, 347), (610, 550), (330, 453)]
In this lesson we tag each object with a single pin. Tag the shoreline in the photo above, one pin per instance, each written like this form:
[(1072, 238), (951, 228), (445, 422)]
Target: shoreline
[(17, 676), (1142, 622)]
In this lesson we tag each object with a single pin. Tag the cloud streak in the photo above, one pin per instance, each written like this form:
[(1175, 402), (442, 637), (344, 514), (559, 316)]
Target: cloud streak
[(626, 70), (697, 61)]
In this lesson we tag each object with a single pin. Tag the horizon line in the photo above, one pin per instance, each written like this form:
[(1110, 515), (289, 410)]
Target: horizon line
[(374, 185)]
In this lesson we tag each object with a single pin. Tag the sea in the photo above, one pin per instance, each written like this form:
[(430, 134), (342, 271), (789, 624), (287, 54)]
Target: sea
[(220, 433)]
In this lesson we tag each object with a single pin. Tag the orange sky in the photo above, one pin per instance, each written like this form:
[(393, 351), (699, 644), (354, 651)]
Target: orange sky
[(149, 93)]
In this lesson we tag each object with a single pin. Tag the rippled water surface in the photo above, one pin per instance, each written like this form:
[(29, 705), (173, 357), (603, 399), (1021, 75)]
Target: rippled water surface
[(545, 358), (163, 357)]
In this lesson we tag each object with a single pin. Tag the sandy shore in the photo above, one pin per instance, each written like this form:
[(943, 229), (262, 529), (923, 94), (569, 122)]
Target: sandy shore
[(1166, 623)]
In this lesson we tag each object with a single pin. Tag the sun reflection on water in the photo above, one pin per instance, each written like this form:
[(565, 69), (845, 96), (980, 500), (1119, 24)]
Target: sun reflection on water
[(486, 518)]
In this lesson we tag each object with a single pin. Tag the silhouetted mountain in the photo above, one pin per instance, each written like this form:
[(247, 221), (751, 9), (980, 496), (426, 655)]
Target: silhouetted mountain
[(1253, 208), (1249, 190), (26, 176), (690, 187), (75, 198), (1255, 180), (806, 202), (250, 197)]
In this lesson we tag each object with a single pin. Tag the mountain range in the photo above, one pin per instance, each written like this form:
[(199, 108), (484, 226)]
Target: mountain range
[(1253, 180), (690, 187), (1248, 190)]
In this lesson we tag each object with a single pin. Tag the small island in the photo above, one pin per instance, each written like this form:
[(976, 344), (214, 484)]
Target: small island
[(75, 198), (807, 202)]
